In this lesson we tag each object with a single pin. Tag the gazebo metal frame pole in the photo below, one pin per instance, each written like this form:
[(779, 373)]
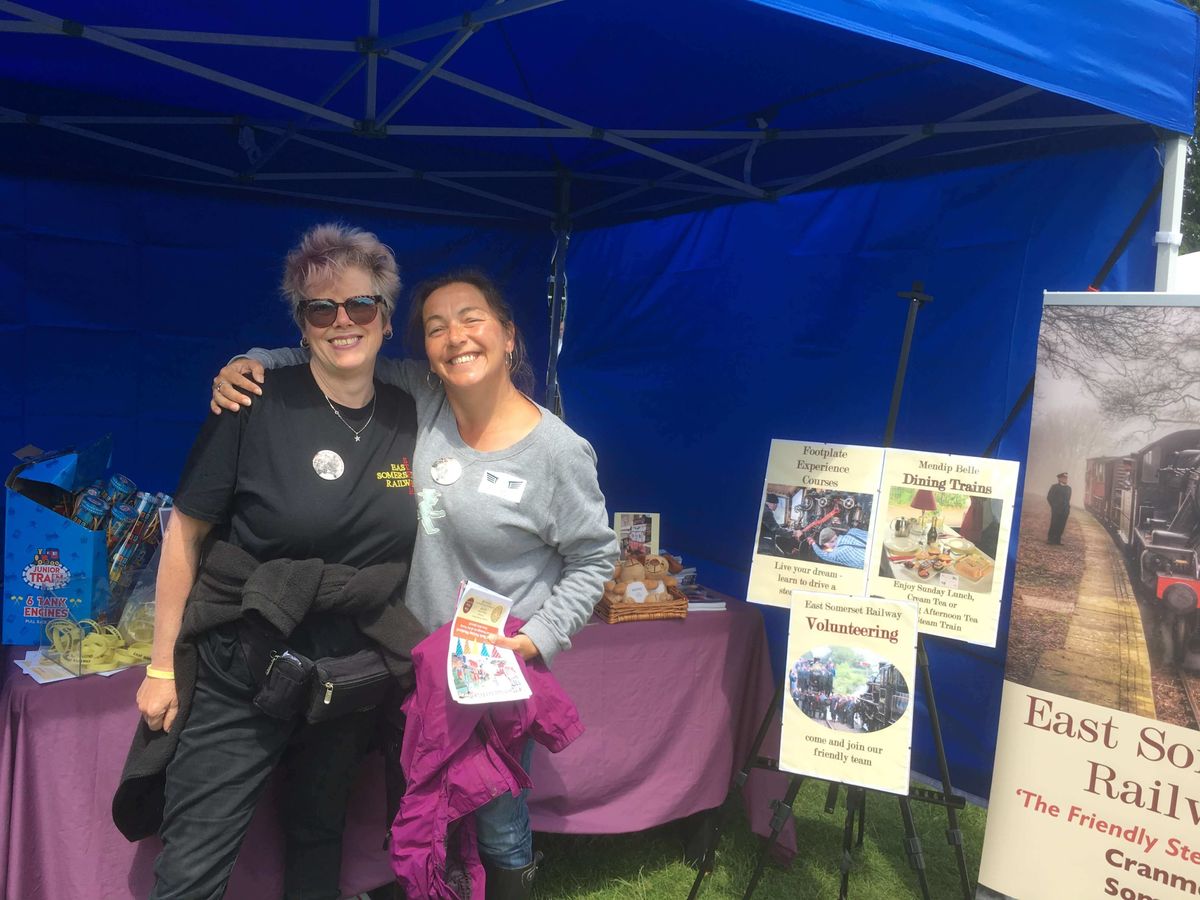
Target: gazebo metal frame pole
[(557, 292)]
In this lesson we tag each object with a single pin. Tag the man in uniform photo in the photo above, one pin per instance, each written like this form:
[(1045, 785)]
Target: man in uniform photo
[(1059, 499)]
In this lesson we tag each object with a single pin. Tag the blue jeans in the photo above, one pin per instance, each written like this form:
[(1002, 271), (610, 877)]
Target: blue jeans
[(502, 826)]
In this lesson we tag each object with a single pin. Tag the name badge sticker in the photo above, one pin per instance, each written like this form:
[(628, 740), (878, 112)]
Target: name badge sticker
[(506, 487)]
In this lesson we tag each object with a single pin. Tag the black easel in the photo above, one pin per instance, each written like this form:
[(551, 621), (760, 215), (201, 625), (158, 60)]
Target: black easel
[(856, 797)]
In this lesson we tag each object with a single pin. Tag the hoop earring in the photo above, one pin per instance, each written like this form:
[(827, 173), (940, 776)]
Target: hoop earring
[(387, 335), (304, 342), (432, 380), (509, 359)]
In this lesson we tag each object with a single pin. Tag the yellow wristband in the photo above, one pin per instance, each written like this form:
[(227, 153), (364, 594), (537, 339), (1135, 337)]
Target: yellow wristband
[(164, 674)]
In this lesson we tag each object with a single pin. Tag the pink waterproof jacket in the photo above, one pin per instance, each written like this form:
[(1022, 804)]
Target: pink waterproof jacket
[(455, 759)]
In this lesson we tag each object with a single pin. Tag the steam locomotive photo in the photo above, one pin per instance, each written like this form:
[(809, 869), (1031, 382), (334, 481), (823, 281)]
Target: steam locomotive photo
[(869, 706), (884, 700), (808, 511), (1148, 500)]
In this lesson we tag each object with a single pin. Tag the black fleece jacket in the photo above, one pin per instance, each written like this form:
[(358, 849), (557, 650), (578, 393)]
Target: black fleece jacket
[(229, 584)]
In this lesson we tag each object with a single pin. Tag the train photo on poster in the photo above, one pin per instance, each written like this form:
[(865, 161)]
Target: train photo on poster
[(1148, 501), (848, 689), (816, 525)]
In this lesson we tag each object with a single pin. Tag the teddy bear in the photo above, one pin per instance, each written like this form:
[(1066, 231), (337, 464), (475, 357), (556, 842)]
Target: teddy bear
[(651, 576)]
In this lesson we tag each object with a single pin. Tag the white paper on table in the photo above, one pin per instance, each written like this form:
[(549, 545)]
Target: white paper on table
[(476, 670), (40, 669)]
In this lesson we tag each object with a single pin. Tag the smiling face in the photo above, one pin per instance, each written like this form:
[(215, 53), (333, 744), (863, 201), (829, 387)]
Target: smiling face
[(344, 347), (465, 342)]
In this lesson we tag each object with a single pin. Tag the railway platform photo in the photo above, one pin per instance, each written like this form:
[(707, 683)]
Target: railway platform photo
[(1108, 575)]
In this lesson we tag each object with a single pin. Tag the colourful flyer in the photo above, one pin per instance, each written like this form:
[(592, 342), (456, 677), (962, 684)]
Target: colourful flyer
[(814, 529), (851, 668), (477, 670), (941, 540)]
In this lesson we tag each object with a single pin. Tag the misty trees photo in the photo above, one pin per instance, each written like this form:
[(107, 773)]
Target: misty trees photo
[(1136, 363)]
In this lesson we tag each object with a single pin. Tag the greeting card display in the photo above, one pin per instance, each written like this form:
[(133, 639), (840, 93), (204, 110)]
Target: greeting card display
[(637, 533)]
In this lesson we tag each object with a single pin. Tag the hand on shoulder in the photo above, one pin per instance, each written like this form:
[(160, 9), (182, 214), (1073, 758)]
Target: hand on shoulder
[(239, 375)]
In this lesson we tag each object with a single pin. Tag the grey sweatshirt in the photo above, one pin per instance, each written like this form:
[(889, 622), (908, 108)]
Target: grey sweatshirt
[(528, 521)]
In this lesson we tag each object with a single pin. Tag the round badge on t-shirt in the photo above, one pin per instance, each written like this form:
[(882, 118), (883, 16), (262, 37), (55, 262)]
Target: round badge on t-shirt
[(328, 465), (446, 470)]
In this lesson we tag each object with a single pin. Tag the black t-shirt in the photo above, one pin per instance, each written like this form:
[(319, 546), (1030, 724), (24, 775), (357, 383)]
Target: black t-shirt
[(286, 479)]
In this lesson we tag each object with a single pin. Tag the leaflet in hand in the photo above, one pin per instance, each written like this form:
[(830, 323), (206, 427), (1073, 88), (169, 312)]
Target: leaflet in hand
[(476, 670)]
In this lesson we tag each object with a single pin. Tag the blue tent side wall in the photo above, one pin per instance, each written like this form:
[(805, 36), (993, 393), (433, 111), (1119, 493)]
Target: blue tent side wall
[(692, 341), (120, 304)]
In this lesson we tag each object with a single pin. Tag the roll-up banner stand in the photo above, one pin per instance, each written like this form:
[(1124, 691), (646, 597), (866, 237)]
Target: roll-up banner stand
[(1096, 790)]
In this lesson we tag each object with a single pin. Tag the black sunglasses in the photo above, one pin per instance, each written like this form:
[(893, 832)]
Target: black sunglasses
[(323, 313)]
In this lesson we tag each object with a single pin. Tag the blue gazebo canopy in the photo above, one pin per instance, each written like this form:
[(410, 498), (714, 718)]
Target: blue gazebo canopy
[(647, 108)]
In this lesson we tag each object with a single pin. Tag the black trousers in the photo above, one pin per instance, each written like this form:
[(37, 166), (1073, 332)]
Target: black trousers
[(226, 753), (1058, 521)]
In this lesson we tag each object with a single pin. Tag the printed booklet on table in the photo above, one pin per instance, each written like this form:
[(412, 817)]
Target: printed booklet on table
[(477, 670)]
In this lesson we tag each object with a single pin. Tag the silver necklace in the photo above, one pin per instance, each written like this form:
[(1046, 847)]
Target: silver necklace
[(355, 431)]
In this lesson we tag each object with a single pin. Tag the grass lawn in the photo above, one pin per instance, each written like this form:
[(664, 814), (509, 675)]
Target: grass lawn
[(649, 865)]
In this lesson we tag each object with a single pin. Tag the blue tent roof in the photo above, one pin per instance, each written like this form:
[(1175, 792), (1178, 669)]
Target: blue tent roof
[(650, 107), (1137, 58)]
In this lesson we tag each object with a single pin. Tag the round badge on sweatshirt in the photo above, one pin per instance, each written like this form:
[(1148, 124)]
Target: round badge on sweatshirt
[(446, 470), (328, 465)]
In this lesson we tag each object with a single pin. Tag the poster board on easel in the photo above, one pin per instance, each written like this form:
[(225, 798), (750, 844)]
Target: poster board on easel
[(851, 669)]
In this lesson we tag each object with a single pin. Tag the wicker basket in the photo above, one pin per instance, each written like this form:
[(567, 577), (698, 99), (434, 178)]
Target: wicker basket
[(628, 611)]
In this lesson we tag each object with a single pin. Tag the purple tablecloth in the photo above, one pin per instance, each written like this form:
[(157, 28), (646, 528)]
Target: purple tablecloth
[(670, 708)]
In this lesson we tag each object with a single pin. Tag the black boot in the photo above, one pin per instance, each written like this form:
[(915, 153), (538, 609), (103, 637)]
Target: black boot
[(511, 884)]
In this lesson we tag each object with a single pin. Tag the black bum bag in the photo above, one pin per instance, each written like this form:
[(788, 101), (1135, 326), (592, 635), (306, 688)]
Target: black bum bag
[(319, 689)]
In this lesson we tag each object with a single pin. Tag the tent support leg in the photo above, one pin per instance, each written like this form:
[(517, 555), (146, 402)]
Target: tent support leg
[(1170, 216), (556, 293)]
